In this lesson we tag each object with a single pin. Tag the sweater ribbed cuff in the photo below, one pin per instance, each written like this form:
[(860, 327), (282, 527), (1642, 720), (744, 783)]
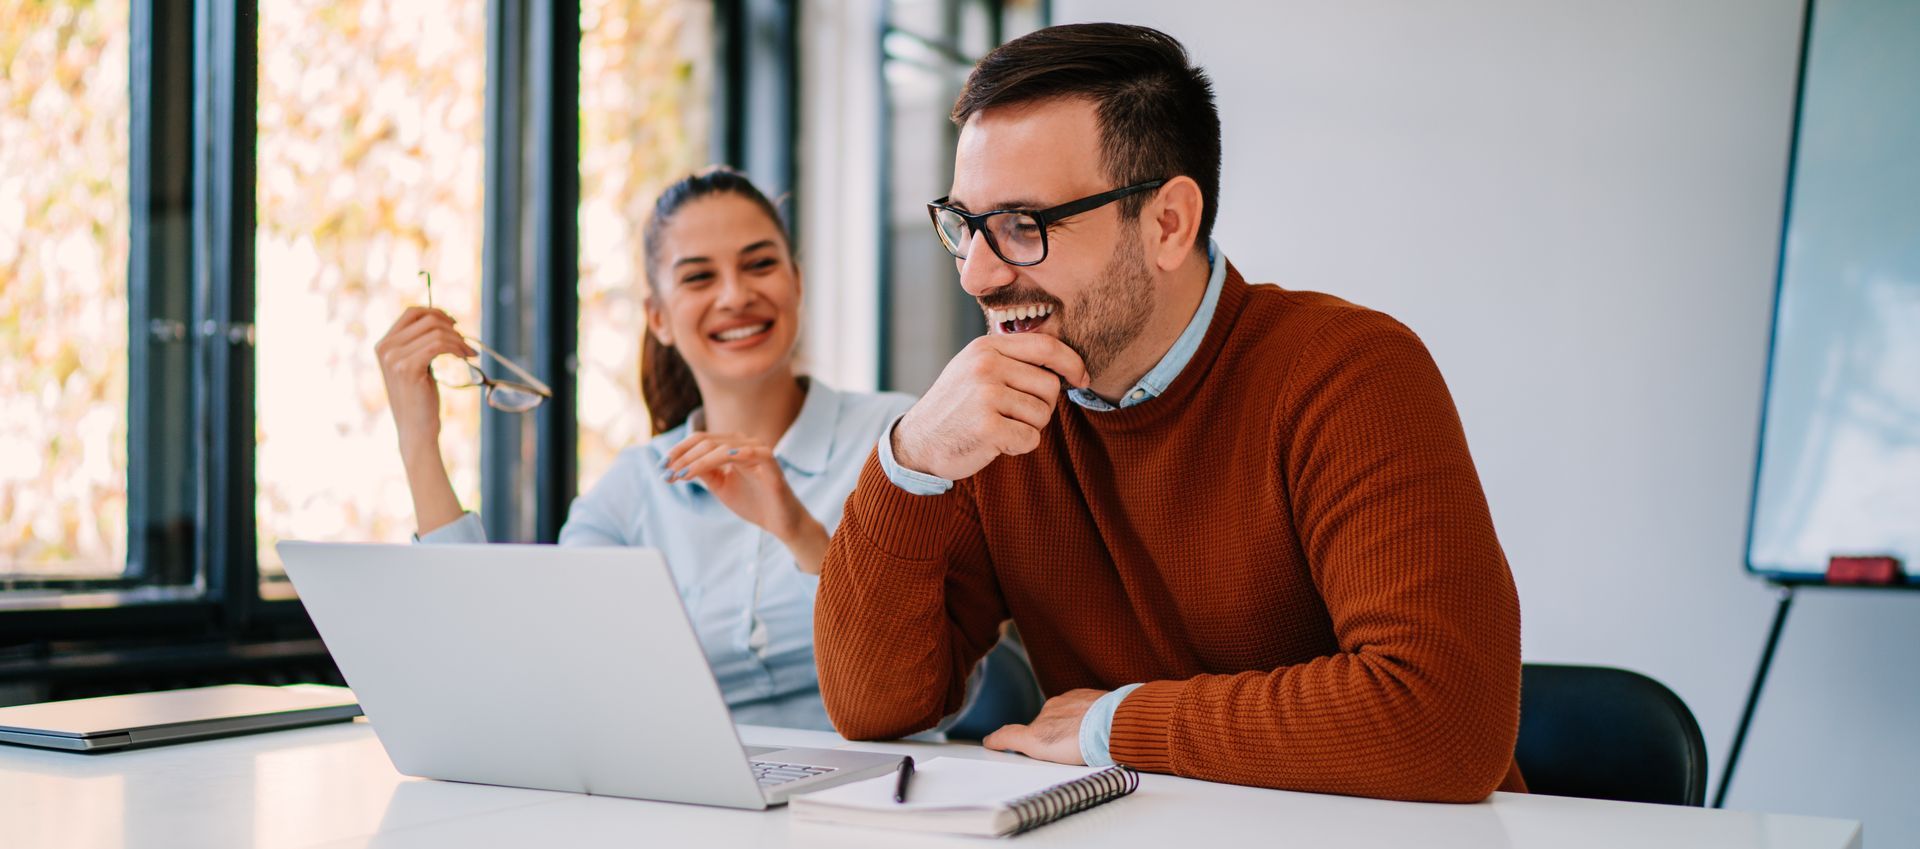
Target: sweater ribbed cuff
[(1140, 727), (899, 523)]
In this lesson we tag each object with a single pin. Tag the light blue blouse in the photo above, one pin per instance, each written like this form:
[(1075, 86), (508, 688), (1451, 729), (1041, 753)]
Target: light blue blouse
[(750, 603)]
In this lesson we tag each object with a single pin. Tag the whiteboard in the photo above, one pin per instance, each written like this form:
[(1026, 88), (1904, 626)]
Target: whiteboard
[(1839, 465)]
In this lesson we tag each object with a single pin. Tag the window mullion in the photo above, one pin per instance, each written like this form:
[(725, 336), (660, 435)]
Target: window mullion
[(161, 490), (756, 42), (531, 260), (505, 438), (223, 271), (554, 76)]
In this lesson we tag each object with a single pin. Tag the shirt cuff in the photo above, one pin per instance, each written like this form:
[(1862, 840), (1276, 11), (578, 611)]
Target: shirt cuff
[(466, 529), (917, 483), (1096, 727)]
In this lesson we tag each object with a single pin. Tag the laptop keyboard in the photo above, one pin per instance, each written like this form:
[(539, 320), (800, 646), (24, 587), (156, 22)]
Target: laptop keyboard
[(772, 773)]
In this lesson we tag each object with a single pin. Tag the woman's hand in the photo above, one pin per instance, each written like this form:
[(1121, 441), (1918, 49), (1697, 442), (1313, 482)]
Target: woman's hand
[(406, 354), (744, 475)]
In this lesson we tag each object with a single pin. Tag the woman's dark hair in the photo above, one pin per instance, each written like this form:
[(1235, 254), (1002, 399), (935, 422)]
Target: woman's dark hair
[(1156, 112), (665, 380)]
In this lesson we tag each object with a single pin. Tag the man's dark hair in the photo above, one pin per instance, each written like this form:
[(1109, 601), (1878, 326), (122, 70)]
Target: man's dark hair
[(1156, 111)]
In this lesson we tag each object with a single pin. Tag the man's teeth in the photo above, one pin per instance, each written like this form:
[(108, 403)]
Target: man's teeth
[(1002, 316), (742, 332)]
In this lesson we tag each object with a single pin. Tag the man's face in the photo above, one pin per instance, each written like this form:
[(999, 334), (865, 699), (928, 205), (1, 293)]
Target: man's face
[(1094, 290)]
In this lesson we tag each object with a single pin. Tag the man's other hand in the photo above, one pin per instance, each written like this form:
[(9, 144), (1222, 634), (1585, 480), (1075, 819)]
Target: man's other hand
[(1054, 735)]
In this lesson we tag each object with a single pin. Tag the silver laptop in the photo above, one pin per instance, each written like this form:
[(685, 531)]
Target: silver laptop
[(536, 666), (105, 723)]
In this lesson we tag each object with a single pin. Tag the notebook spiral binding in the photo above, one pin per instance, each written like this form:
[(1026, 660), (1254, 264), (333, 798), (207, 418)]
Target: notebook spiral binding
[(1040, 808)]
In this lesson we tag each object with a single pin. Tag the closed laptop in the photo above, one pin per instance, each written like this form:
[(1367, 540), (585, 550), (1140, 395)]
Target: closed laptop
[(171, 716)]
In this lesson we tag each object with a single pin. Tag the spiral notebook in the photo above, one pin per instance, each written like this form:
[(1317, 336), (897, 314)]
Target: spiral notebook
[(966, 796)]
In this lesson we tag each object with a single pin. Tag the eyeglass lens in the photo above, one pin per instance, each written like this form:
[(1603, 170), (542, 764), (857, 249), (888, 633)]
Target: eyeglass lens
[(455, 373), (510, 398), (501, 395), (1015, 236)]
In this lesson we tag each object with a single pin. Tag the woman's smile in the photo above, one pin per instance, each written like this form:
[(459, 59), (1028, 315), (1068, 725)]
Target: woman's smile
[(734, 335)]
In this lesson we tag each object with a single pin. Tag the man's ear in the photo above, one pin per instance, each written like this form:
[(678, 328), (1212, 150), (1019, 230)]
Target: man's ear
[(1172, 222), (657, 321)]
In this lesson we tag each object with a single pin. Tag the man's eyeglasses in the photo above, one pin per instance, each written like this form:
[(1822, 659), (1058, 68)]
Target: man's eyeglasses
[(1017, 236), (507, 396)]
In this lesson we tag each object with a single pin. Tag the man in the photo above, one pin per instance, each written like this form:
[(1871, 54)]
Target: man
[(1244, 542)]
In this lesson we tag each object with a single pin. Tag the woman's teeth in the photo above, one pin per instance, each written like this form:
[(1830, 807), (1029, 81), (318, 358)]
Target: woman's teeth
[(1018, 319), (739, 333)]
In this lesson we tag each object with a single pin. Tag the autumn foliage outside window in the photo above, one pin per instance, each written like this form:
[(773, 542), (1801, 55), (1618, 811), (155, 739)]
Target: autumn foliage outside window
[(64, 233), (370, 154)]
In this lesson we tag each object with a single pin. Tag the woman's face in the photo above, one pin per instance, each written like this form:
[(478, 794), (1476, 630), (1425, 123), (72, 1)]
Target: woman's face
[(728, 293)]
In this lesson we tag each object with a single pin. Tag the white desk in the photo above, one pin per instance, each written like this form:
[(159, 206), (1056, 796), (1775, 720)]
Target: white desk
[(333, 787)]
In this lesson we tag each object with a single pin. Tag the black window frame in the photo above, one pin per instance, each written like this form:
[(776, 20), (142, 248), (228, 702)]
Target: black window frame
[(191, 276)]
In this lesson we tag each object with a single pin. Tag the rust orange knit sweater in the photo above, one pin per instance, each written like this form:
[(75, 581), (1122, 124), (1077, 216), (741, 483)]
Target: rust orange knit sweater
[(1290, 545)]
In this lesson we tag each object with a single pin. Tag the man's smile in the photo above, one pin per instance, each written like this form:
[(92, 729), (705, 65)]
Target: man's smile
[(1018, 319)]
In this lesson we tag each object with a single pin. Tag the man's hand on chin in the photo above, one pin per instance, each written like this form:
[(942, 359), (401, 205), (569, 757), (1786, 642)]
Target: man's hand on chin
[(1054, 735)]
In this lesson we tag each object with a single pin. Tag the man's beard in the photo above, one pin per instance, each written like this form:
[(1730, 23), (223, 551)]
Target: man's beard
[(1108, 317)]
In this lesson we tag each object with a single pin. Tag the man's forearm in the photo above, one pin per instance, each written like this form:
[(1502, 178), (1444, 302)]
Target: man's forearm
[(1356, 724), (879, 640), (893, 640)]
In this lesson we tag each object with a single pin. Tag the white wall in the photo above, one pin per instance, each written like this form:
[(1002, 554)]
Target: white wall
[(1577, 205)]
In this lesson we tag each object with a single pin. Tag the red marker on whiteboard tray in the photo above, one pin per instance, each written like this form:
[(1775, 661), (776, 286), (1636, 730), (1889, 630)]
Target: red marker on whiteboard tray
[(1863, 569)]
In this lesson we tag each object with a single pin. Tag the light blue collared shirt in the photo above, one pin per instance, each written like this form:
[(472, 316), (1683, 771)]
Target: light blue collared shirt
[(1096, 726), (749, 602)]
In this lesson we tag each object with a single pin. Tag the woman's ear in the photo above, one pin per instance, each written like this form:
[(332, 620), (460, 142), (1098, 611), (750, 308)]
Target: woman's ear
[(657, 322)]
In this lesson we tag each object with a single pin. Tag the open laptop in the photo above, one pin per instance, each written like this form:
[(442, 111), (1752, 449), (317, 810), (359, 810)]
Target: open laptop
[(106, 723), (537, 666)]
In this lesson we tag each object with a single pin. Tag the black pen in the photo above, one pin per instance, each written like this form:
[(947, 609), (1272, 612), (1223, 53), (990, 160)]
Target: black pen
[(900, 786)]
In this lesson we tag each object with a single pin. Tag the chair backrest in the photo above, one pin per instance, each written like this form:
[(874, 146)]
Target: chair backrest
[(1603, 733), (1008, 692)]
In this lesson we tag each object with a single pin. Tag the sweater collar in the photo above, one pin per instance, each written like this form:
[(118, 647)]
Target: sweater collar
[(1179, 394)]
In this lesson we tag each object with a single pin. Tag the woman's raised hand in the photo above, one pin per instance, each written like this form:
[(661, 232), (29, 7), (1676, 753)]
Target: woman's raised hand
[(406, 354), (743, 474), (406, 357)]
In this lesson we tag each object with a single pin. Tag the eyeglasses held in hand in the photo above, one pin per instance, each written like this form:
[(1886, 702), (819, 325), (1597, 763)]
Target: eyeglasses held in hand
[(1017, 236), (508, 396)]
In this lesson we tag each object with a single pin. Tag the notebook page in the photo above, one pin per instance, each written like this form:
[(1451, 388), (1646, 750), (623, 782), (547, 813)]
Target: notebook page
[(952, 783)]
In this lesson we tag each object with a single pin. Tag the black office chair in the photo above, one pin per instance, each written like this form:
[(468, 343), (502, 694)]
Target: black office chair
[(1604, 733), (1008, 692)]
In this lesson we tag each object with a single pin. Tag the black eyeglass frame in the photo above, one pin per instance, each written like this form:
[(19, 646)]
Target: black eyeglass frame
[(1046, 218)]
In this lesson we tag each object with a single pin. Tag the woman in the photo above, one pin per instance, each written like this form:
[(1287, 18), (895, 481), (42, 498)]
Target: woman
[(745, 478)]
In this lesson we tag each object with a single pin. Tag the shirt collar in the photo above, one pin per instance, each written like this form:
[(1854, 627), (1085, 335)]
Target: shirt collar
[(809, 439), (1156, 380)]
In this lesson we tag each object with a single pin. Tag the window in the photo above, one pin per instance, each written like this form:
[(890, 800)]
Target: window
[(644, 92), (64, 240), (371, 120), (206, 221)]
